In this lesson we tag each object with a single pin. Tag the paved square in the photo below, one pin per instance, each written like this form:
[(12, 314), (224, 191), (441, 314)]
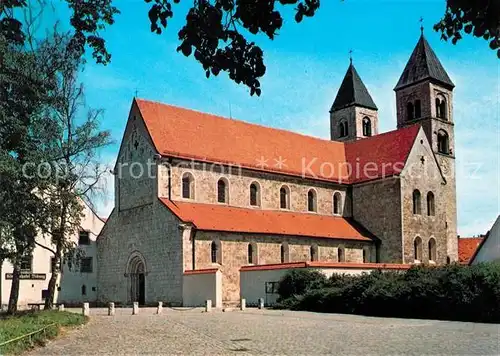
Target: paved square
[(271, 332)]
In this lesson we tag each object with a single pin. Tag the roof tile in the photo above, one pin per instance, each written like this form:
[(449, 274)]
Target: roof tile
[(213, 217)]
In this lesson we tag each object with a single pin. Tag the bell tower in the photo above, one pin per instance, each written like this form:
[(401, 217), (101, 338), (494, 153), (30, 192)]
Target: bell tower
[(353, 114), (424, 95)]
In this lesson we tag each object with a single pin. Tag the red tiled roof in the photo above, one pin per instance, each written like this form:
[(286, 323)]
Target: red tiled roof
[(466, 248), (220, 140), (213, 217)]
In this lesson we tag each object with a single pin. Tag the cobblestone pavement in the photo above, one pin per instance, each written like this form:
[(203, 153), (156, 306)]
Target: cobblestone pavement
[(253, 332)]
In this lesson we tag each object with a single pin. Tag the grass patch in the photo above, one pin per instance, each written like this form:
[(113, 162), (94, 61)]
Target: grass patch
[(13, 326)]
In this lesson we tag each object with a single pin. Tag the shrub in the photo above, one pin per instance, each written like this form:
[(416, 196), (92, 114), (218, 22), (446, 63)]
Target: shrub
[(453, 292), (297, 281)]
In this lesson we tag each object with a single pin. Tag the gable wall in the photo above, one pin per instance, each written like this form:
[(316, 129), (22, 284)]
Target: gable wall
[(425, 177)]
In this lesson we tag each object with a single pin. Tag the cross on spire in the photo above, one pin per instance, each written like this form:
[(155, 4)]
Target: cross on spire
[(350, 55), (421, 24), (136, 92)]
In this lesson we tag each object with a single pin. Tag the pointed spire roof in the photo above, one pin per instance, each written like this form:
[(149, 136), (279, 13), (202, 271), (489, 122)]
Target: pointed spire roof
[(423, 64), (353, 92)]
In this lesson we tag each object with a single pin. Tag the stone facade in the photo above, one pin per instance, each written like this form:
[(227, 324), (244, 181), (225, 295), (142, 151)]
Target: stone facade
[(234, 253)]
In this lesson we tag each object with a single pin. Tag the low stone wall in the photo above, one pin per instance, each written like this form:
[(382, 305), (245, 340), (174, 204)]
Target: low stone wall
[(201, 285), (262, 281)]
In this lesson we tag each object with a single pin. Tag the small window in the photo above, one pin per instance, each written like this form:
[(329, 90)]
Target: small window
[(418, 109), (367, 127), (84, 289), (337, 203), (214, 253), (26, 264), (340, 254), (188, 186), (448, 260), (366, 255), (314, 252), (430, 204), (311, 200), (222, 191), (410, 113), (346, 129), (84, 238), (443, 142), (45, 293), (86, 265), (254, 195), (432, 249), (416, 202), (417, 249), (284, 197), (343, 129), (250, 254), (441, 108), (284, 252)]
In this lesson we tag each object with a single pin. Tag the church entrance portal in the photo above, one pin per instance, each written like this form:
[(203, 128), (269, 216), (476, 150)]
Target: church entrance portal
[(137, 280)]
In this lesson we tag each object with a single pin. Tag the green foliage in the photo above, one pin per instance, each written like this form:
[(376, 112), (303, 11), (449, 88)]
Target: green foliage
[(20, 324), (298, 281), (453, 292), (477, 17)]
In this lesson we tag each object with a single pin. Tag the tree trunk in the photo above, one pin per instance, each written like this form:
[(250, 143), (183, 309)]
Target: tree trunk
[(14, 290), (51, 290)]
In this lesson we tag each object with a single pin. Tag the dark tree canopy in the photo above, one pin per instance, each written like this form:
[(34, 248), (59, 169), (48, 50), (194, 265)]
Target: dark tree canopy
[(217, 32)]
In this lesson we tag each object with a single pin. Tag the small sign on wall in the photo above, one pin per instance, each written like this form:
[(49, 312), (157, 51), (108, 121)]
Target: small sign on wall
[(32, 276)]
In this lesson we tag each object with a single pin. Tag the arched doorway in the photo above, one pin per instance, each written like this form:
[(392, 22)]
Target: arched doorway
[(137, 278)]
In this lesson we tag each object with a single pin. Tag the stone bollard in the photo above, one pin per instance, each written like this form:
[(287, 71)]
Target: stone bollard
[(135, 308), (261, 303), (160, 308), (86, 309), (60, 307), (208, 305), (243, 304), (111, 309)]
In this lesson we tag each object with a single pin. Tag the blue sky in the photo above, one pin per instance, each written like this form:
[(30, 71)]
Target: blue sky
[(305, 66)]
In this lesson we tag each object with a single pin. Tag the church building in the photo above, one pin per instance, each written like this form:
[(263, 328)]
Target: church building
[(197, 193)]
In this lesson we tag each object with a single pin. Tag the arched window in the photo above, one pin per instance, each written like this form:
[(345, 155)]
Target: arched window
[(341, 129), (417, 249), (340, 254), (250, 253), (366, 255), (254, 194), (418, 109), (337, 203), (432, 249), (444, 109), (367, 126), (84, 289), (417, 208), (443, 142), (441, 108), (284, 197), (284, 252), (188, 186), (311, 200), (314, 252), (410, 113), (215, 252), (448, 260), (222, 191), (430, 204), (346, 129)]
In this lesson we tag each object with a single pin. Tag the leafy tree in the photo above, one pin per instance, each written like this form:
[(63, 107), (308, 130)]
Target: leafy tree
[(217, 32)]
